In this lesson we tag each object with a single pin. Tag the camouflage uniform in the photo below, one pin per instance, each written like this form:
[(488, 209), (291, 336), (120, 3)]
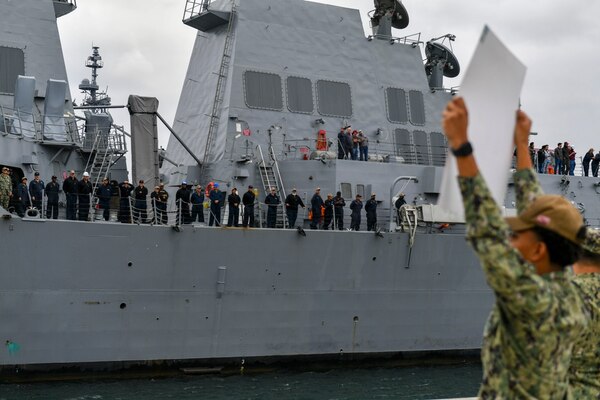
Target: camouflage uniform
[(584, 372), (528, 338), (5, 189)]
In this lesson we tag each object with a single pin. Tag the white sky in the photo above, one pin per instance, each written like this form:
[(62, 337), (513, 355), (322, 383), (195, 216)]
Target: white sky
[(146, 49)]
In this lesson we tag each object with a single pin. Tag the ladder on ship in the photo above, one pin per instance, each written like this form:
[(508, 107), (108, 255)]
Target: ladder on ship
[(99, 161), (215, 115), (271, 178)]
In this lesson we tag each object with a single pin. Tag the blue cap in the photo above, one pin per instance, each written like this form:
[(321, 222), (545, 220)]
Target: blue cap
[(184, 183), (216, 185)]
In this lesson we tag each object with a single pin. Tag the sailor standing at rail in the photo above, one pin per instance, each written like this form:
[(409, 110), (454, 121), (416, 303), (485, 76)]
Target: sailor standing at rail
[(234, 208), (104, 193), (197, 200), (371, 210), (140, 211), (272, 201), (36, 190), (5, 188), (292, 202), (23, 200), (216, 200), (84, 189), (70, 189), (51, 192), (338, 211), (125, 190), (355, 206), (538, 315), (248, 201)]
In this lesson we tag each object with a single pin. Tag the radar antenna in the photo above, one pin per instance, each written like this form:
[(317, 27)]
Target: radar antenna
[(441, 61), (388, 14), (93, 97)]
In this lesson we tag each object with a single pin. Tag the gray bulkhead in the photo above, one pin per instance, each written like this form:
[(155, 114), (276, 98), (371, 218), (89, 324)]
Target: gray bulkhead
[(311, 41)]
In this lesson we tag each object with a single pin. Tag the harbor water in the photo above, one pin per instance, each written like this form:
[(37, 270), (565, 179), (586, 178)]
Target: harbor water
[(424, 382)]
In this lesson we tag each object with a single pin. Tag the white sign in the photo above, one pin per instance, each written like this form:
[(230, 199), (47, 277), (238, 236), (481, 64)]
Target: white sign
[(491, 89)]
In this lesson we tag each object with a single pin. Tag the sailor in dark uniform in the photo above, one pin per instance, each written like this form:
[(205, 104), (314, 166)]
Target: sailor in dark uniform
[(248, 201), (356, 206), (328, 212), (182, 199), (292, 201), (70, 189), (140, 212), (315, 204), (36, 190), (23, 199), (234, 201), (104, 193), (197, 200), (51, 192), (216, 202), (338, 210), (272, 201), (125, 190), (398, 204), (84, 189), (371, 210)]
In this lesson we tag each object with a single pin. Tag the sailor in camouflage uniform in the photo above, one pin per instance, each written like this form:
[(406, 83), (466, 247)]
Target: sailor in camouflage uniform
[(5, 188), (529, 336), (584, 371)]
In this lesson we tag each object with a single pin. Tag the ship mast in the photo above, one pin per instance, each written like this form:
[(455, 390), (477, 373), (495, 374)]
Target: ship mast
[(94, 97)]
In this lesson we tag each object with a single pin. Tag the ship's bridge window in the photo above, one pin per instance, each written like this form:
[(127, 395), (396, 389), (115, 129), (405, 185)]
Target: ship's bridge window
[(300, 95), (404, 146), (417, 107), (421, 147), (346, 189), (397, 110), (12, 64), (438, 148), (334, 99), (263, 90)]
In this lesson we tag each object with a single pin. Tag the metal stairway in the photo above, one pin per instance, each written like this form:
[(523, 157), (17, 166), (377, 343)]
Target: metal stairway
[(215, 115), (270, 178), (99, 161)]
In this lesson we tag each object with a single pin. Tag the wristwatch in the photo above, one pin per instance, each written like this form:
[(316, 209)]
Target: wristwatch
[(464, 150)]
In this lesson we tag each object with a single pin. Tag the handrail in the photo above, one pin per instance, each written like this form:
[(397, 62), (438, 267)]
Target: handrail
[(264, 165), (398, 179), (276, 164)]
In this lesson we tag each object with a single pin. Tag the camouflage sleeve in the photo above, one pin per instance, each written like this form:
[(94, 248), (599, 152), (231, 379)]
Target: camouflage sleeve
[(518, 288), (527, 188), (591, 242)]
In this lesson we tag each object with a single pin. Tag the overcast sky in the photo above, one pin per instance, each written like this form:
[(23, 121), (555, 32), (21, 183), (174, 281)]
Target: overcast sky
[(146, 49)]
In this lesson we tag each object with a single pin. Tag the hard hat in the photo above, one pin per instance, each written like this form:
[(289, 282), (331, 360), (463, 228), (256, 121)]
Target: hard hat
[(86, 174)]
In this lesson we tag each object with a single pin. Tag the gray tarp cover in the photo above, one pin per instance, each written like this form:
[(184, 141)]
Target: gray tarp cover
[(144, 139)]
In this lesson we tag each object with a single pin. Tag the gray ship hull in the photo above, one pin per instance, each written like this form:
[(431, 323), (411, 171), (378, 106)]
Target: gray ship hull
[(77, 293)]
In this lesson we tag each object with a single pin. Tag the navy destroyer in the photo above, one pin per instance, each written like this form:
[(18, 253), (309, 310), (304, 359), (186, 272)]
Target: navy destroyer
[(262, 104)]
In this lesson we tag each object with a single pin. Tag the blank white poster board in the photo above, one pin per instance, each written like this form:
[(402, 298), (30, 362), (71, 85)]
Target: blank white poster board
[(491, 89)]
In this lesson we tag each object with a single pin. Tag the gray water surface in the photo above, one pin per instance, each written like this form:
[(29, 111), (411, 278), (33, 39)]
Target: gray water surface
[(437, 382)]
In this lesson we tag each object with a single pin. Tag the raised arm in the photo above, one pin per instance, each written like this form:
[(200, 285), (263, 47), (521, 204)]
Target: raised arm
[(527, 186)]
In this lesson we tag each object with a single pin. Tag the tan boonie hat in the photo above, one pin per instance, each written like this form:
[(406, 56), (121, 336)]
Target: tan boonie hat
[(551, 212)]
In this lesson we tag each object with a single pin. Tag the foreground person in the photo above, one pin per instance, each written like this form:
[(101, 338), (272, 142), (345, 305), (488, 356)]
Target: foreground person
[(584, 370), (537, 316), (584, 373)]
